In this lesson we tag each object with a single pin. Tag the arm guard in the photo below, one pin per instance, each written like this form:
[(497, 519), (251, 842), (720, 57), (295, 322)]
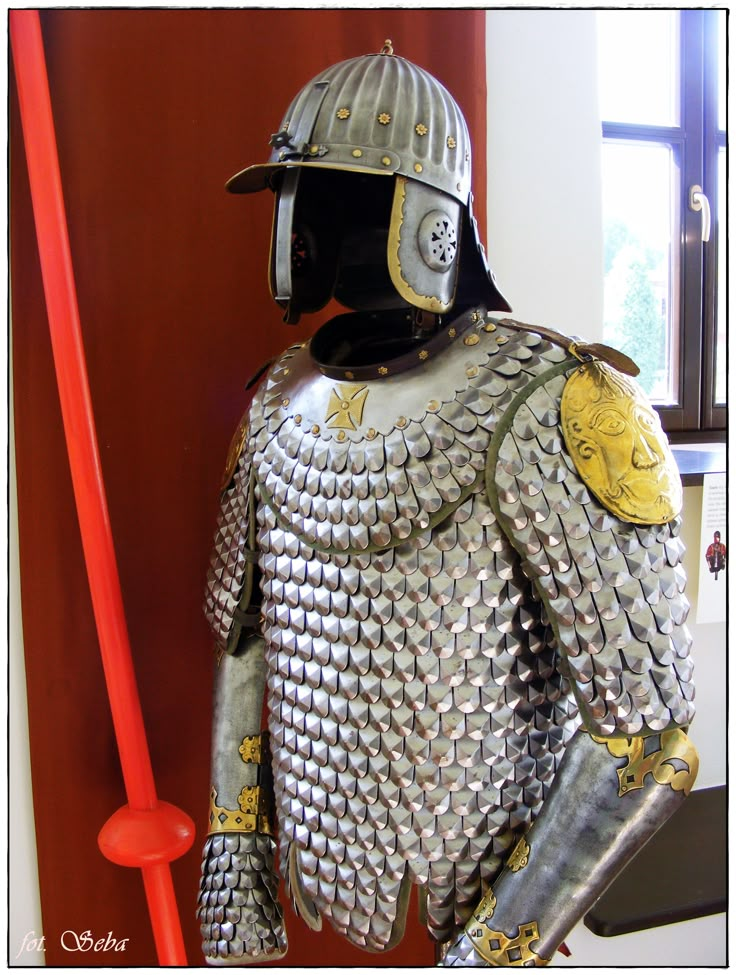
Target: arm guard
[(241, 920), (613, 593), (607, 800)]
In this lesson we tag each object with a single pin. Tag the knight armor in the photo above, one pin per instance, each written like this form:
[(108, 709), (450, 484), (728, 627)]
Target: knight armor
[(448, 554)]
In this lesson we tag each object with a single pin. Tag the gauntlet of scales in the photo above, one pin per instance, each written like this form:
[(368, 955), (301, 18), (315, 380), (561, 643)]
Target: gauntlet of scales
[(240, 918)]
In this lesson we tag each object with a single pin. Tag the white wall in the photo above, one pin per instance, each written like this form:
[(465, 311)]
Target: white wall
[(24, 915), (544, 212), (708, 731)]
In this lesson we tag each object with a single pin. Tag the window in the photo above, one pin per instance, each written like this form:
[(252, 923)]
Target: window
[(662, 97)]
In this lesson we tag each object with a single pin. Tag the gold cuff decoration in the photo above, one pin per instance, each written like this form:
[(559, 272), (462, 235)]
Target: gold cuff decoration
[(250, 749), (519, 857), (255, 802), (675, 762), (497, 948), (250, 817)]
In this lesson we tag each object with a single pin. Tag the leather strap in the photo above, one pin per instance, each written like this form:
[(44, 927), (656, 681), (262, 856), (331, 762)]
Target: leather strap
[(585, 352)]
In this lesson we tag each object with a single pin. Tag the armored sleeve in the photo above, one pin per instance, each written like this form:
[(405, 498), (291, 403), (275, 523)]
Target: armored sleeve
[(232, 583), (241, 920), (611, 584)]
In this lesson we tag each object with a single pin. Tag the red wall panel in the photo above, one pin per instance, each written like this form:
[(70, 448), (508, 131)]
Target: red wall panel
[(154, 110)]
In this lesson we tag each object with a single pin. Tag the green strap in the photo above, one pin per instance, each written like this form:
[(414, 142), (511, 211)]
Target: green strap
[(499, 434)]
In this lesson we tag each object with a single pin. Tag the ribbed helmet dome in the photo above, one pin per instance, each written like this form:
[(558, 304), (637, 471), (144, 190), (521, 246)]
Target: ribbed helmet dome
[(376, 113)]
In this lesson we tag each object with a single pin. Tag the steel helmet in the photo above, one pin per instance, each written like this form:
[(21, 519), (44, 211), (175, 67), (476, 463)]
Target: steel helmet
[(338, 229)]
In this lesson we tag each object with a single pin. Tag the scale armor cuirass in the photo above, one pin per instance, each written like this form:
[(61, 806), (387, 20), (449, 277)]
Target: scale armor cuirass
[(443, 602)]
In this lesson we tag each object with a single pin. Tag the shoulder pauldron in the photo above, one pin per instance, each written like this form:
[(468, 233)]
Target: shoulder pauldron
[(613, 589)]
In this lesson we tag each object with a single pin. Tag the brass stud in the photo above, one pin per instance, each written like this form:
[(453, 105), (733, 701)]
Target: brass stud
[(285, 402), (382, 371), (418, 167), (384, 118), (343, 113), (401, 422), (501, 340), (452, 333), (357, 153), (476, 316), (386, 160), (421, 129), (313, 150), (471, 372), (349, 375), (315, 429), (341, 435), (433, 406), (298, 418), (423, 355), (451, 144), (489, 327), (471, 339), (370, 434)]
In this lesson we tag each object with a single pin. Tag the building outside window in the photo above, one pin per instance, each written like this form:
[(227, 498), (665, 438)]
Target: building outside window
[(663, 104)]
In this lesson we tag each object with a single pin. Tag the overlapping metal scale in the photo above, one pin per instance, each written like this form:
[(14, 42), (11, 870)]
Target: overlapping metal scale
[(420, 652), (226, 573), (360, 493), (614, 590), (237, 919), (416, 710)]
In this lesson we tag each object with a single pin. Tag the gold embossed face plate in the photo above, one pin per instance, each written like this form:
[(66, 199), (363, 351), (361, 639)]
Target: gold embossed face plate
[(616, 442)]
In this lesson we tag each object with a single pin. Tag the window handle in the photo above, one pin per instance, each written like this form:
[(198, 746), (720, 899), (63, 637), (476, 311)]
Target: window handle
[(699, 203)]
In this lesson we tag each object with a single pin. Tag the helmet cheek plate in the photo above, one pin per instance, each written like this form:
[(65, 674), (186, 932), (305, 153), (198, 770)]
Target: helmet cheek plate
[(423, 244)]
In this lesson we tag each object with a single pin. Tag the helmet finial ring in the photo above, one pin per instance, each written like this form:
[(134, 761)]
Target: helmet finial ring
[(388, 47)]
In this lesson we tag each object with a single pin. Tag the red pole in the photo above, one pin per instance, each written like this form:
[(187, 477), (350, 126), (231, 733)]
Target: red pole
[(146, 833)]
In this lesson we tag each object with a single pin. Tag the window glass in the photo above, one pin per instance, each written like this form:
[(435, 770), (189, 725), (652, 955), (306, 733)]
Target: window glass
[(639, 312), (721, 69), (637, 56)]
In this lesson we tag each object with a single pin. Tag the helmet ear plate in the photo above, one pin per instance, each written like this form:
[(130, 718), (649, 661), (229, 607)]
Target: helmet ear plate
[(423, 245)]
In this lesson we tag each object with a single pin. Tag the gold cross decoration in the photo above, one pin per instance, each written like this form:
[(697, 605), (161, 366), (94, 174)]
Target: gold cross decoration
[(345, 407), (498, 949)]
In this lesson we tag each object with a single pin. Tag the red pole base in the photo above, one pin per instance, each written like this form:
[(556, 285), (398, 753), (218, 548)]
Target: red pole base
[(145, 837), (151, 839)]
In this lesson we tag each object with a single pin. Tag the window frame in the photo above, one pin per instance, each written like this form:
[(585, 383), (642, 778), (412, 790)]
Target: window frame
[(694, 143)]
